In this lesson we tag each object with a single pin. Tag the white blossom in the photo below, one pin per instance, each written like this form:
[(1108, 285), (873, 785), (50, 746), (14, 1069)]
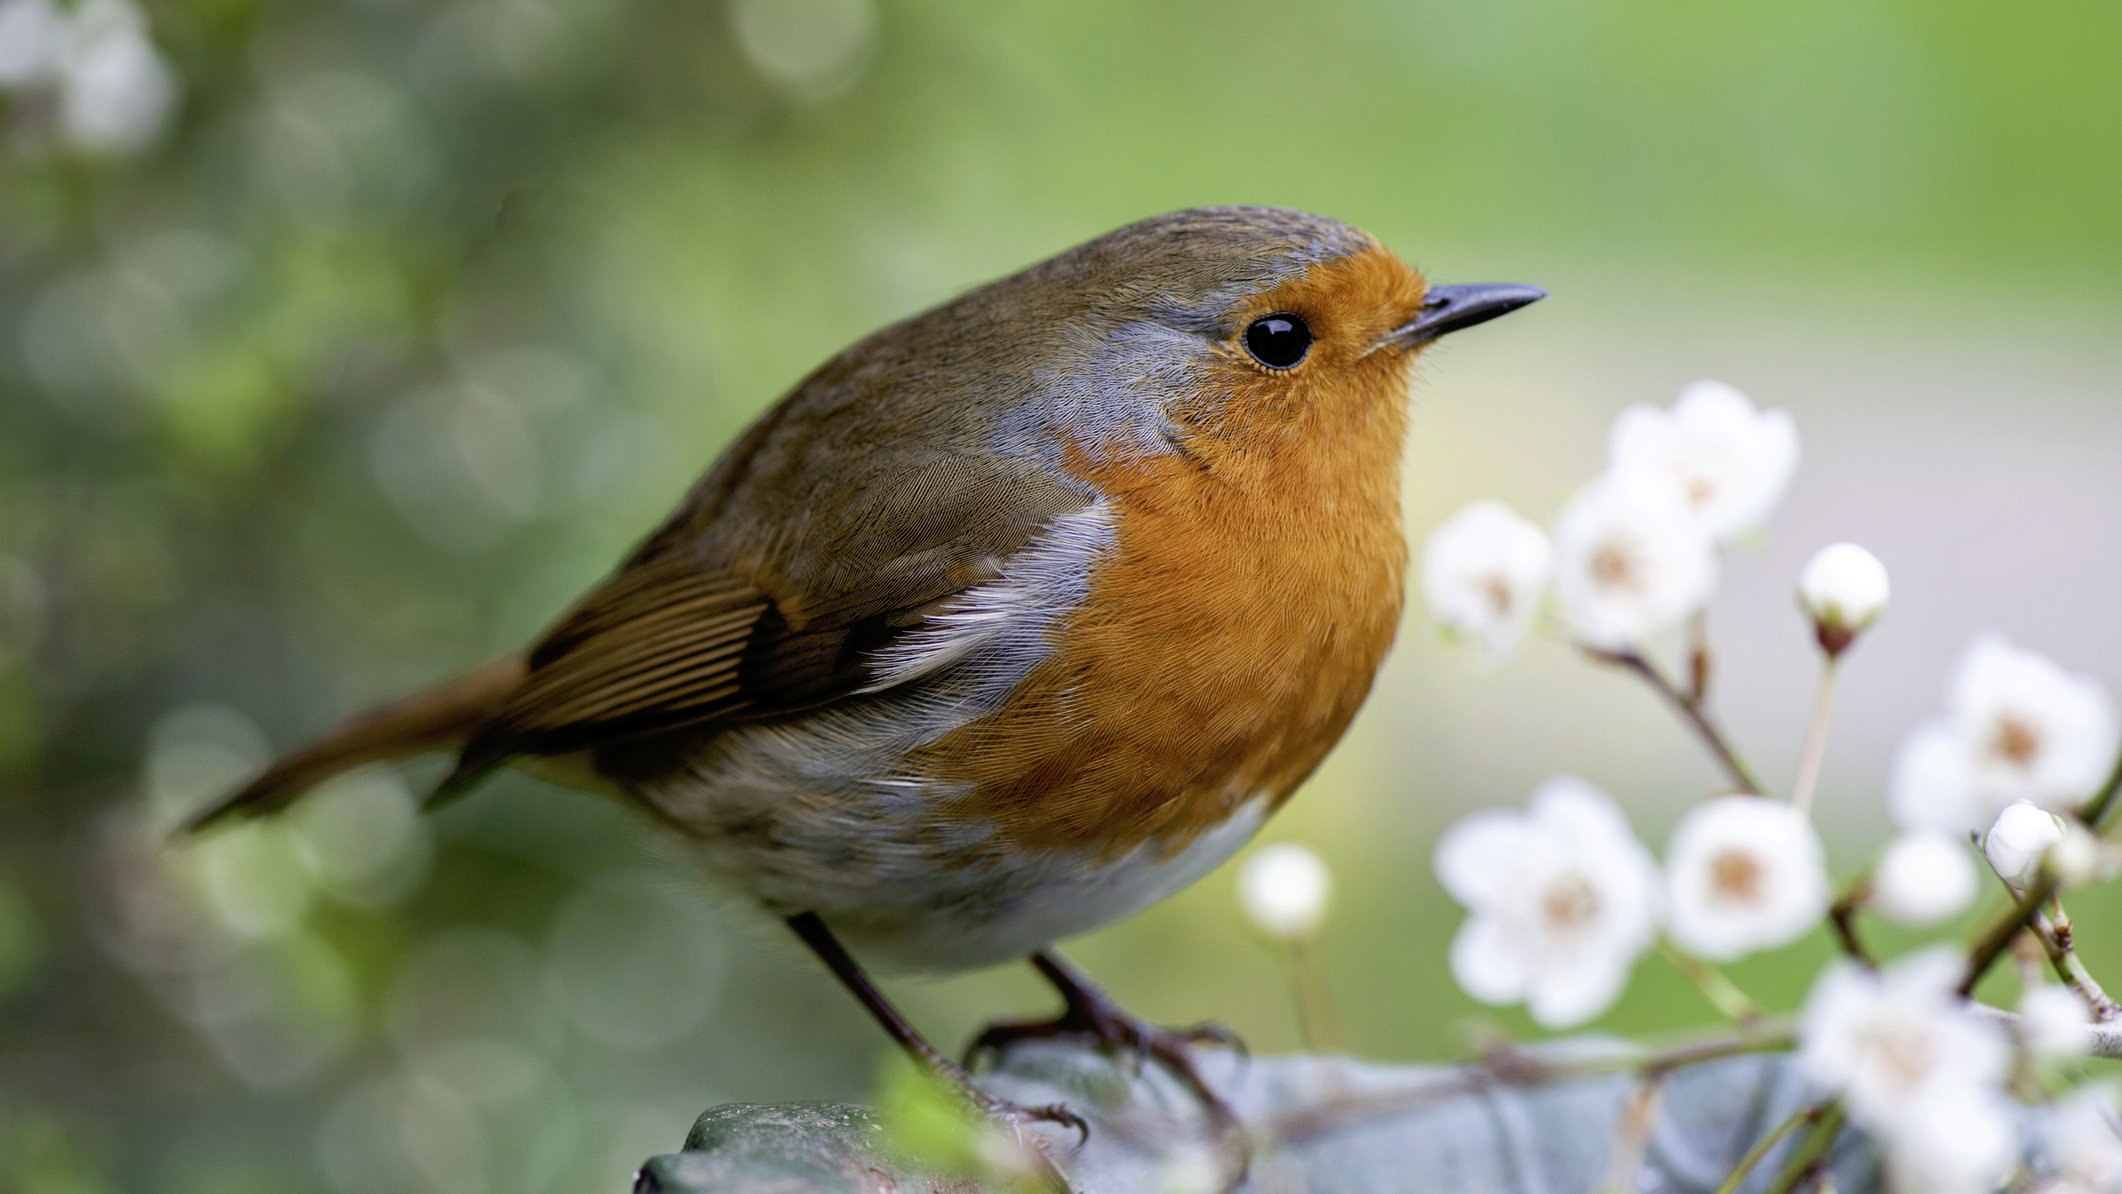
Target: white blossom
[(1483, 571), (116, 92), (1284, 889), (2052, 1022), (1629, 562), (32, 42), (1843, 590), (2082, 1140), (1924, 877), (1744, 873), (2019, 841), (1961, 1142), (1562, 898), (2017, 727), (1895, 1041), (1728, 463)]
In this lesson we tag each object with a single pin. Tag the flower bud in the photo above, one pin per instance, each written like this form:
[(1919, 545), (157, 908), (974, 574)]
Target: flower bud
[(1844, 590), (1284, 888), (1924, 877), (2017, 843)]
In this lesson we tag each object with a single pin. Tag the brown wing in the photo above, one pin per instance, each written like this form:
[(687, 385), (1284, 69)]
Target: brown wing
[(677, 643)]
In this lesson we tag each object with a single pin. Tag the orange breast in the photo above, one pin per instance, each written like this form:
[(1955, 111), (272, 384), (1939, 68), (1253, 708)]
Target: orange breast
[(1230, 635)]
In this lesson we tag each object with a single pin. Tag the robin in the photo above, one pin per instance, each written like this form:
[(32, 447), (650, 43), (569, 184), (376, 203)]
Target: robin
[(1009, 621)]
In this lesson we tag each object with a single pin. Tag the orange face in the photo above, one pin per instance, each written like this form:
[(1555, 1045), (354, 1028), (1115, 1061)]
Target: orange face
[(1351, 307)]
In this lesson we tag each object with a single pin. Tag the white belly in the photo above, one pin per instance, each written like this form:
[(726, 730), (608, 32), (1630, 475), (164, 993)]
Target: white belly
[(1051, 899), (904, 888)]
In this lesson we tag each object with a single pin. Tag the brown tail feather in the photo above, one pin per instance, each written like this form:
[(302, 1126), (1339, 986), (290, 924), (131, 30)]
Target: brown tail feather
[(423, 721)]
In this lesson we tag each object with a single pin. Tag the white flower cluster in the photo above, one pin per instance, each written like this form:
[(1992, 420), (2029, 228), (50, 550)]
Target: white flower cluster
[(1914, 1063), (1562, 898), (1634, 552), (2016, 728), (113, 90)]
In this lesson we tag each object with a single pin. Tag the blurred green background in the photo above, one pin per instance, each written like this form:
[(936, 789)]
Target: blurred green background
[(343, 342)]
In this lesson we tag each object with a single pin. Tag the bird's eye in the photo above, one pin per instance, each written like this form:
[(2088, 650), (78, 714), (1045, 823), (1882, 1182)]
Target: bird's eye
[(1278, 341)]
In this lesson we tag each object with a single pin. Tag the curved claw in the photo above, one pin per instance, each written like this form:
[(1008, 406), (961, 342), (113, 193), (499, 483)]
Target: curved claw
[(1058, 1113)]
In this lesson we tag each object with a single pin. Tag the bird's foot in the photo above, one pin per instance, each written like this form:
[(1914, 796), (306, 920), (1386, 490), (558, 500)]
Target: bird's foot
[(1092, 1015)]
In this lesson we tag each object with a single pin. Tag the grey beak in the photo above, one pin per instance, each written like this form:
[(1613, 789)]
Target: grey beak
[(1447, 309)]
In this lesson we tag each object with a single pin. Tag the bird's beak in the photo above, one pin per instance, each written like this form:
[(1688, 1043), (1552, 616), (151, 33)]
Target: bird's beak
[(1447, 309)]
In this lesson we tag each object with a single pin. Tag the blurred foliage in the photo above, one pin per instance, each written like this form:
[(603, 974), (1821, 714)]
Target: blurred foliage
[(414, 312)]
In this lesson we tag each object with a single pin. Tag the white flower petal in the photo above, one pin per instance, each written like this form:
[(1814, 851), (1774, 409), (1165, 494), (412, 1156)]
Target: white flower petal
[(1561, 897), (1565, 998), (1923, 877), (1630, 562), (2081, 1141), (1483, 571), (1958, 1142), (2033, 731), (1744, 873), (1933, 784), (1888, 1042), (1726, 462), (1481, 852), (1488, 964)]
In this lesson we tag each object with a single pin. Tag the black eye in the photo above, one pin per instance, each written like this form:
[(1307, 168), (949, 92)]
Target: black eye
[(1278, 341)]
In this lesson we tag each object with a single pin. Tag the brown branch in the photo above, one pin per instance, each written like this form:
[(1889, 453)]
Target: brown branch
[(1514, 1067), (1692, 711), (1842, 917), (1991, 945)]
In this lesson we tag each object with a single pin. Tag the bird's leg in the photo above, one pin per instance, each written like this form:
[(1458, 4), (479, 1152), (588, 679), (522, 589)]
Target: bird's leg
[(829, 950), (1089, 1012)]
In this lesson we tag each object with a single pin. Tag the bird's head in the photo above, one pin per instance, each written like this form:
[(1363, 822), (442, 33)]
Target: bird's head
[(1234, 327)]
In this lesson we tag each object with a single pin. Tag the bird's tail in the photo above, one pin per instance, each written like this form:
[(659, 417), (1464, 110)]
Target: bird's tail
[(427, 720)]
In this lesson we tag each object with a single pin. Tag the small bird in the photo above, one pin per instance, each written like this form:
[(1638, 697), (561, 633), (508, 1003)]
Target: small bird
[(1008, 621)]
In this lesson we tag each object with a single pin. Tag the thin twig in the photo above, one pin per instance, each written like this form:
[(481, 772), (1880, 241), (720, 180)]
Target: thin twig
[(1316, 1021), (1722, 992), (1698, 657), (1512, 1067), (1991, 945), (1801, 792), (2103, 802), (1843, 916), (1632, 1135), (1798, 1119), (2055, 938), (1693, 711), (1812, 1150)]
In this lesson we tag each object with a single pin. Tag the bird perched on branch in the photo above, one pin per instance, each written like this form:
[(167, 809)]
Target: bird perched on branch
[(1009, 621)]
